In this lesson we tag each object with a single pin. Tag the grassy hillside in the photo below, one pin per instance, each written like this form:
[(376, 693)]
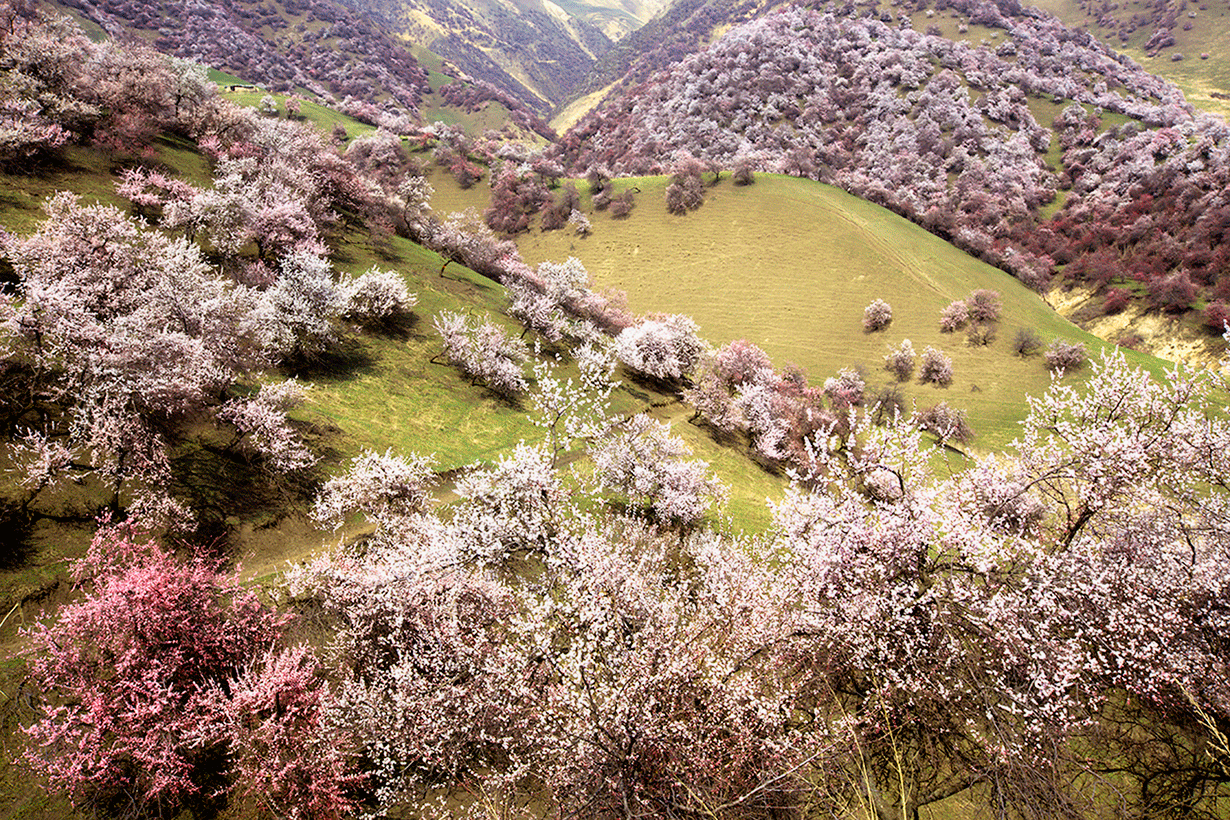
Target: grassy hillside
[(790, 264), (1209, 34)]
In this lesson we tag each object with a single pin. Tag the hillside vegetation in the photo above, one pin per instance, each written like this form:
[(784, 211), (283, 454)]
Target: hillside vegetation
[(879, 109), (1184, 42), (790, 264), (320, 498)]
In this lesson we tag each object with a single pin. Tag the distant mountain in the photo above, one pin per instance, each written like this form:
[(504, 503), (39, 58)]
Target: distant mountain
[(617, 18), (534, 49), (534, 54)]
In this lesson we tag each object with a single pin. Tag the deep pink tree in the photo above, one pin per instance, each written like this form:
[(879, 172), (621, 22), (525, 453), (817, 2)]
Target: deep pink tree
[(141, 713)]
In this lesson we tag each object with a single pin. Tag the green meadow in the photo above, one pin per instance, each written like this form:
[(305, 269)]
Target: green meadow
[(790, 264)]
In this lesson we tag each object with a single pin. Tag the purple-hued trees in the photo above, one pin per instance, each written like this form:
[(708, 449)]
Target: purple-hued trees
[(1064, 356), (898, 637), (935, 367), (484, 351), (877, 316), (900, 362), (645, 463)]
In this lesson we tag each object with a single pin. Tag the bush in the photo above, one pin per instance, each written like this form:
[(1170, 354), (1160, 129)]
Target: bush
[(954, 317), (743, 174), (984, 305), (877, 315), (936, 368), (1217, 317), (377, 297), (622, 205), (900, 362), (946, 422), (887, 405), (1065, 356), (980, 335), (1026, 342), (846, 389), (1173, 294), (1117, 299)]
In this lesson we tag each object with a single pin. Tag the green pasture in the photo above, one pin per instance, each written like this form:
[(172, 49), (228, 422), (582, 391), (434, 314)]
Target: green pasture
[(90, 173), (318, 115), (385, 392), (790, 265)]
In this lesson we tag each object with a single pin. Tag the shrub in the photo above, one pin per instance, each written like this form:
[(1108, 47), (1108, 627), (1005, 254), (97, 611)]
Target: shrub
[(877, 315), (377, 297), (666, 347), (1217, 317), (980, 334), (483, 351), (622, 205), (954, 317), (846, 389), (1065, 356), (946, 422), (984, 305), (887, 405), (936, 368), (743, 174), (1117, 299), (164, 669), (580, 223), (1026, 342), (900, 362), (1173, 294)]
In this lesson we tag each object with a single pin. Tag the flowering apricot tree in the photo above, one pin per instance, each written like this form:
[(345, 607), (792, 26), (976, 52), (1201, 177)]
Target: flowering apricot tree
[(899, 637)]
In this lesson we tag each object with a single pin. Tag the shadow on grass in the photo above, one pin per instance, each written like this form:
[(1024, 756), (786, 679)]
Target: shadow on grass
[(226, 490), (15, 527), (650, 389), (399, 328), (346, 361)]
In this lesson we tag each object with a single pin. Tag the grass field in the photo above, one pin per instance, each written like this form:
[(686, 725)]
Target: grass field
[(790, 264)]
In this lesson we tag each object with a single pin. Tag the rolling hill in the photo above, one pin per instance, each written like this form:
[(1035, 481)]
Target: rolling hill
[(789, 264)]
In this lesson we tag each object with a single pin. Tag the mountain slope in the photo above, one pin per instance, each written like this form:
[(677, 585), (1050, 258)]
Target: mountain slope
[(533, 49), (316, 46), (1187, 43), (1038, 148)]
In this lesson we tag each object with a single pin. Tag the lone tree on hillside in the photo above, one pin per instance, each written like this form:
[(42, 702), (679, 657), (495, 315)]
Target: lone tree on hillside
[(877, 316), (900, 362), (1065, 356), (743, 173), (936, 368), (687, 189)]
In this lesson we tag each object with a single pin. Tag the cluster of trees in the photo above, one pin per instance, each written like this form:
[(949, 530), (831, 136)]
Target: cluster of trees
[(340, 55), (177, 690), (472, 96), (1042, 634), (121, 335), (62, 89), (942, 132), (122, 338)]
